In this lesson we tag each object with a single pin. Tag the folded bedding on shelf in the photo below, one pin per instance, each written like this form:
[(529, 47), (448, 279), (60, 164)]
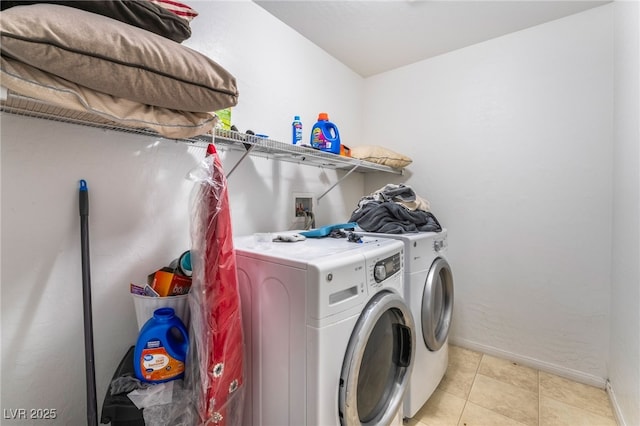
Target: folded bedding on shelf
[(380, 155), (181, 9), (118, 59), (28, 81), (170, 21)]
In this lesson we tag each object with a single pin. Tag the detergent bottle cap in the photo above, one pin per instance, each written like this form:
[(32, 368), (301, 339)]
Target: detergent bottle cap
[(296, 118), (164, 314), (323, 116)]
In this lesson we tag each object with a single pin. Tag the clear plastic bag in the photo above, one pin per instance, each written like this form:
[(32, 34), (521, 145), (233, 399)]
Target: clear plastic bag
[(215, 364), (179, 409)]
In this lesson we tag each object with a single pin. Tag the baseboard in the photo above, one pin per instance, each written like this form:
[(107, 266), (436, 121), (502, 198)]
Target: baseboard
[(614, 403), (565, 372)]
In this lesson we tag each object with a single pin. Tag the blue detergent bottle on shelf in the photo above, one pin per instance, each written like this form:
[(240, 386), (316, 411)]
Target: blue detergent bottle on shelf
[(161, 348), (297, 130), (325, 135)]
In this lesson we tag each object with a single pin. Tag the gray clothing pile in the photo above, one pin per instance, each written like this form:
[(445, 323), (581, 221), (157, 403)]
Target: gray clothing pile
[(389, 210)]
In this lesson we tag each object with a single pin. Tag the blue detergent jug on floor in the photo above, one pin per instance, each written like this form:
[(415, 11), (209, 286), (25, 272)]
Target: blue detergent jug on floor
[(324, 135), (161, 348)]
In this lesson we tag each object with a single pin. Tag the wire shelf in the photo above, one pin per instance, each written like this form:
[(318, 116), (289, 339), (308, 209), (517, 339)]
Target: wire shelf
[(224, 139), (269, 148), (29, 107)]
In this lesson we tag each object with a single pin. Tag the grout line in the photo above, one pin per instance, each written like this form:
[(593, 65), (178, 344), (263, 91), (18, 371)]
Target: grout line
[(539, 399), (466, 399)]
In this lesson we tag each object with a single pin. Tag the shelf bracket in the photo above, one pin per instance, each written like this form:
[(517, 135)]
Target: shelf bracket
[(353, 169), (246, 153)]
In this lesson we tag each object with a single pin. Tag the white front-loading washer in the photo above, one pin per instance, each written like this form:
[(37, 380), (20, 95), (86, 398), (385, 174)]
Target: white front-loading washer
[(329, 337), (429, 293)]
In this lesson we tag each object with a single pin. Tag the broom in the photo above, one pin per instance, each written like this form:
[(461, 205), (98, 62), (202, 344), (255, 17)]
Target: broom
[(92, 411)]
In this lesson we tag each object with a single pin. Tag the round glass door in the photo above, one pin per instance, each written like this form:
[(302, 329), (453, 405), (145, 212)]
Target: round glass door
[(378, 361), (437, 305)]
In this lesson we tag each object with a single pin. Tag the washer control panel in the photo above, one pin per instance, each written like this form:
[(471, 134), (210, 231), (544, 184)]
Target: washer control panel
[(387, 267)]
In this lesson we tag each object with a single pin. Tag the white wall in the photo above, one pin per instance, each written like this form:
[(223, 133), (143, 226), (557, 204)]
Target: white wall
[(512, 144), (139, 204), (624, 356)]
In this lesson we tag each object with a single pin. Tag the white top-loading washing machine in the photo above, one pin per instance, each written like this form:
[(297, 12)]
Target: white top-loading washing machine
[(329, 338), (429, 293)]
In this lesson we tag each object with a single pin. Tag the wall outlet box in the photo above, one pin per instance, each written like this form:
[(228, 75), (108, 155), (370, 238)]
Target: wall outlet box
[(303, 204), (303, 210)]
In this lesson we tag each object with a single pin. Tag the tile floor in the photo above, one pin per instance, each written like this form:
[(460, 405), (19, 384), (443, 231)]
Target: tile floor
[(482, 390)]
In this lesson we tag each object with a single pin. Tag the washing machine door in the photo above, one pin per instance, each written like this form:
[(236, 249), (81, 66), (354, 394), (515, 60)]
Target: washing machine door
[(378, 362), (437, 304)]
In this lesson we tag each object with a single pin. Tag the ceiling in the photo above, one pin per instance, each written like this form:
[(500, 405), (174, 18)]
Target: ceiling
[(371, 37)]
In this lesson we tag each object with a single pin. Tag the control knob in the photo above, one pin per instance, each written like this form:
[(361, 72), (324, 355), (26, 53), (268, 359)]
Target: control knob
[(379, 272)]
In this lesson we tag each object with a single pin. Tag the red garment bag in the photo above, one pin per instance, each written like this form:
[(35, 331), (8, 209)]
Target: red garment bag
[(218, 332)]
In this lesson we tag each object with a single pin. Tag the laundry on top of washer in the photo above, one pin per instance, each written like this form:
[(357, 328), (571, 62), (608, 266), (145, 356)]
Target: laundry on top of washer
[(289, 238), (395, 209), (325, 231)]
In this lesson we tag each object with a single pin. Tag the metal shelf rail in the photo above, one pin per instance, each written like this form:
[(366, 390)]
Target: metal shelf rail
[(29, 107), (269, 148), (224, 139)]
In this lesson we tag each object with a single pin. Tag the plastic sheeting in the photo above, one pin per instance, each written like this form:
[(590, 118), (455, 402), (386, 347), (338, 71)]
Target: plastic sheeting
[(215, 367)]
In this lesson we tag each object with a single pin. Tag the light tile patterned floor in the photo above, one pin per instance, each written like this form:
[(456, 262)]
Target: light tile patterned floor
[(481, 390)]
